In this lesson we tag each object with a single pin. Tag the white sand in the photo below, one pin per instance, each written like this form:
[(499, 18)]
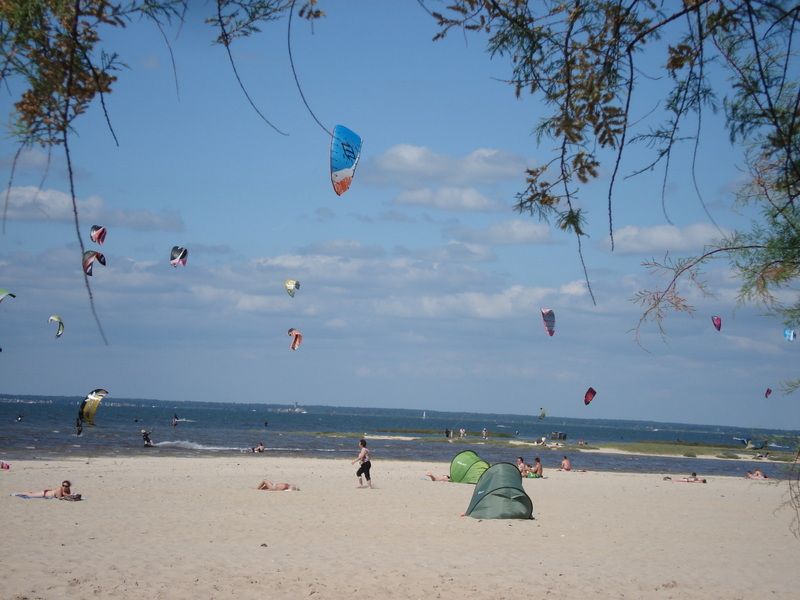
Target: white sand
[(196, 528)]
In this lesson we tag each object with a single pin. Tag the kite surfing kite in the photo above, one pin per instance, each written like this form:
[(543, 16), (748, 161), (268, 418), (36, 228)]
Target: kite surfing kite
[(178, 256), (98, 234), (89, 407), (789, 334), (291, 285), (60, 328), (88, 259), (297, 338), (542, 414), (768, 393), (717, 321), (4, 293), (549, 319), (589, 395), (345, 143), (345, 152)]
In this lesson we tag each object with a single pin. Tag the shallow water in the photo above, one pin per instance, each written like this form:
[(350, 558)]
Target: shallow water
[(47, 430)]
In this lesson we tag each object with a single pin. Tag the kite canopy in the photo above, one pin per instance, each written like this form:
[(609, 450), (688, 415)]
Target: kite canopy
[(549, 319), (768, 393), (589, 395), (717, 321), (345, 152), (789, 334), (297, 338), (4, 293), (90, 405), (98, 234), (467, 467), (291, 285), (499, 495), (60, 328), (178, 256), (88, 259)]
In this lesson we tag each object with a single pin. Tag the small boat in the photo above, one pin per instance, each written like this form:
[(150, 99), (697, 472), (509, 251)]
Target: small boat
[(558, 435)]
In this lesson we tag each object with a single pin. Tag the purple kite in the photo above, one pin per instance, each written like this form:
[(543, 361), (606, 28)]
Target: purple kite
[(589, 396), (767, 393), (717, 321), (549, 319)]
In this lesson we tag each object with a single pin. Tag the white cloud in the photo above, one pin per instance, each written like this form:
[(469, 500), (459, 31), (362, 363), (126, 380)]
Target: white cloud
[(507, 303), (345, 248), (30, 204), (448, 198), (516, 231), (663, 238), (406, 163)]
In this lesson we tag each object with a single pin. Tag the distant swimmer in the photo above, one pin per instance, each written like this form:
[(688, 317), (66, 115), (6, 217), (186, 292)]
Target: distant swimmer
[(175, 420), (756, 474), (148, 443), (19, 417), (266, 423)]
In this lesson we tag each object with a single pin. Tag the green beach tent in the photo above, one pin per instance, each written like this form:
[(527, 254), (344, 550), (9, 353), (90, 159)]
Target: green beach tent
[(467, 467), (499, 495)]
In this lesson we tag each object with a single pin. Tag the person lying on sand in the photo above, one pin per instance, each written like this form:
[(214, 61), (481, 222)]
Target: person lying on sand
[(756, 474), (277, 487), (693, 478), (437, 477), (62, 493)]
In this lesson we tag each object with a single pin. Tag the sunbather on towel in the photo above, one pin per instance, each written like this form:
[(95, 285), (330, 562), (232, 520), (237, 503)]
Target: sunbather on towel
[(277, 487), (62, 493)]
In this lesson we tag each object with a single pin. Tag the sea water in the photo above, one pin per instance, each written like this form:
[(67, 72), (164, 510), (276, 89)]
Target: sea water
[(39, 427)]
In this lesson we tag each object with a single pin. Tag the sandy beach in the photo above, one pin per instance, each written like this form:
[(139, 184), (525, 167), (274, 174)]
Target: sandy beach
[(197, 528)]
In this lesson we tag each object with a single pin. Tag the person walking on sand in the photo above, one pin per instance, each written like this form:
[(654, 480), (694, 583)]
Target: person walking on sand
[(363, 458)]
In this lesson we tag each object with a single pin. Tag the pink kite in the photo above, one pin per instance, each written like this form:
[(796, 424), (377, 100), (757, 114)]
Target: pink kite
[(717, 321), (297, 338), (589, 395)]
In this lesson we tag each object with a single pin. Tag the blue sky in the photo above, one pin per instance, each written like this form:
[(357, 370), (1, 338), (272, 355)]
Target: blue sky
[(420, 287)]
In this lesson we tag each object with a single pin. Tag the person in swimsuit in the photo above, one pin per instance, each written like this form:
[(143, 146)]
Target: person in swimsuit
[(437, 477), (756, 474), (537, 471), (566, 465), (62, 493), (363, 458), (277, 487)]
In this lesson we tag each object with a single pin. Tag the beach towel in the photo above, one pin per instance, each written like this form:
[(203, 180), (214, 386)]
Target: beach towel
[(68, 497)]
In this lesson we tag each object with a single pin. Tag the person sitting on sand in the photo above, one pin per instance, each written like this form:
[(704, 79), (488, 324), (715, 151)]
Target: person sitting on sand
[(62, 493), (523, 467), (566, 465), (756, 474), (437, 477), (259, 448), (268, 486), (537, 471)]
